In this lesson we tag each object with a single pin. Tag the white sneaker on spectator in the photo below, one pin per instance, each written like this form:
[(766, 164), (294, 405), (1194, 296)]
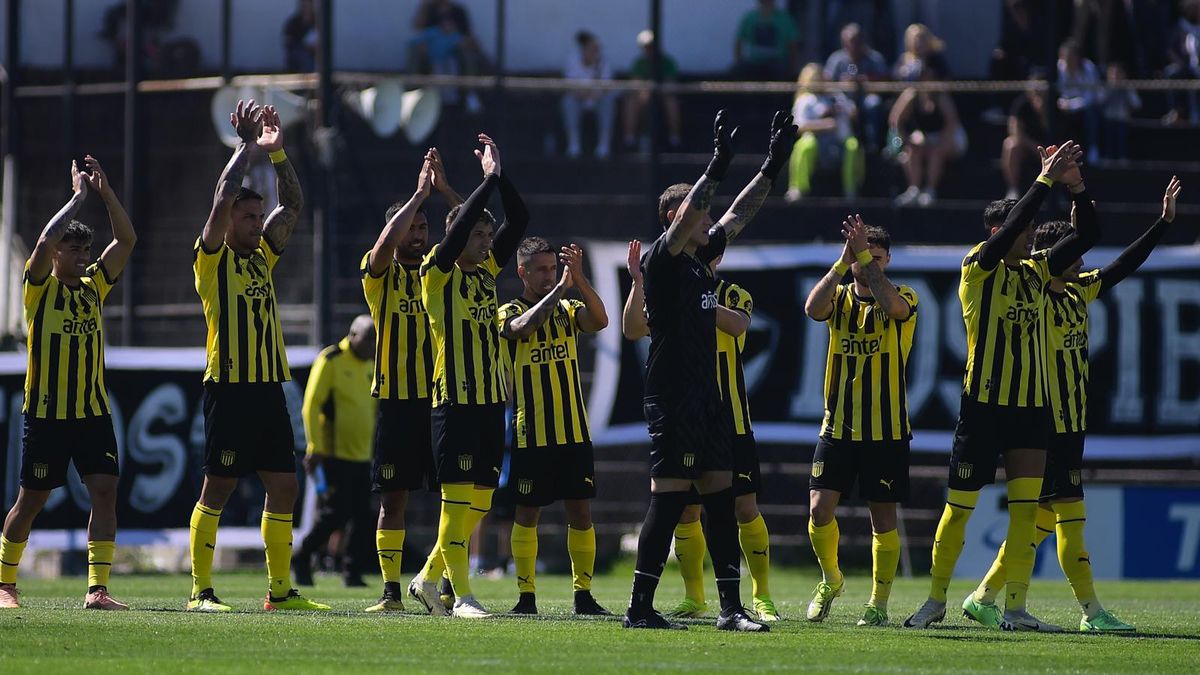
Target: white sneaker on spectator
[(909, 196), (793, 195)]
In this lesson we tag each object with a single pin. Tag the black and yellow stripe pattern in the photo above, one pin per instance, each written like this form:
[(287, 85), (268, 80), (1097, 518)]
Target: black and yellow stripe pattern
[(1066, 324), (403, 350), (865, 381), (463, 320), (1006, 345), (64, 379), (548, 406), (730, 377), (245, 341)]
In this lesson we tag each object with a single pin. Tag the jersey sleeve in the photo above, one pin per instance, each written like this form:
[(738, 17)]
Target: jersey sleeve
[(100, 280), (269, 253), (508, 312), (972, 271), (737, 298), (657, 259), (1090, 284), (372, 285), (204, 265), (1039, 262), (718, 239), (573, 307), (33, 290), (492, 265), (432, 277), (910, 296)]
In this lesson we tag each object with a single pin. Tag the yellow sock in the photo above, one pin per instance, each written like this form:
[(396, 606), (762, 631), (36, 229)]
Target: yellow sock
[(10, 558), (481, 503), (885, 555), (581, 546), (435, 565), (389, 546), (202, 541), (277, 538), (1073, 555), (1018, 557), (824, 540), (524, 553), (100, 559), (997, 576), (689, 551), (453, 537), (756, 546), (948, 542)]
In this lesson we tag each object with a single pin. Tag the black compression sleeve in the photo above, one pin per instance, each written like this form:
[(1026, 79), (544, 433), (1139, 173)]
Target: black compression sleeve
[(1133, 257), (998, 245), (1080, 240), (516, 218), (459, 230)]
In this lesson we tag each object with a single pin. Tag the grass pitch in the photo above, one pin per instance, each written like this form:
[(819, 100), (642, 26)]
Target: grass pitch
[(50, 634)]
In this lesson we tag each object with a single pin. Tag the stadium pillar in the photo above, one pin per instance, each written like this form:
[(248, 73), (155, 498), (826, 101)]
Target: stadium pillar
[(70, 133), (324, 207), (656, 99), (133, 149), (8, 152), (501, 66)]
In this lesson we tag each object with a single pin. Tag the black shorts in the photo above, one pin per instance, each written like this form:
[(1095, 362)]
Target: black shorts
[(1064, 467), (747, 479), (403, 456), (688, 437), (247, 429), (880, 468), (468, 443), (985, 432), (542, 476), (48, 445)]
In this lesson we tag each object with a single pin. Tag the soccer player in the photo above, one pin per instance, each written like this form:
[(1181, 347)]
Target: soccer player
[(403, 378), (689, 431), (246, 424), (865, 434), (1004, 401), (66, 413), (1061, 508), (339, 420), (733, 320), (551, 445), (458, 287)]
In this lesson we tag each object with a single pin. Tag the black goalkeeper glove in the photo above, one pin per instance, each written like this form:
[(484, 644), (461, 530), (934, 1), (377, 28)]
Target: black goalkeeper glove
[(783, 138), (723, 140)]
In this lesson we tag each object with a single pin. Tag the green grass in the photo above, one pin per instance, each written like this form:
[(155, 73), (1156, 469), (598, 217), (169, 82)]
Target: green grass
[(50, 634)]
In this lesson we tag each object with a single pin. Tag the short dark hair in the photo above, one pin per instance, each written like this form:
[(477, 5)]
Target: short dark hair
[(583, 38), (395, 208), (531, 246), (997, 212), (877, 236), (1048, 234), (485, 216), (670, 200), (77, 231), (246, 193)]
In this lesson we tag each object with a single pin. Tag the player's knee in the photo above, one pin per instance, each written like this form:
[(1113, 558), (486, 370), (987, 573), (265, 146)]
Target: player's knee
[(745, 508), (30, 502), (393, 503), (579, 513), (691, 513), (527, 516)]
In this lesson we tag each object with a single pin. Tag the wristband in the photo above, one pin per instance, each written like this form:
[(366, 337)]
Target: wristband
[(864, 257), (840, 268), (278, 157), (1045, 180)]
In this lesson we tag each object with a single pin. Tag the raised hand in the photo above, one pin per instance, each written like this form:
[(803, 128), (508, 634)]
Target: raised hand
[(489, 158), (783, 139), (78, 183), (1172, 193), (854, 231), (1058, 162), (425, 181), (434, 159), (572, 258), (95, 176), (723, 140), (634, 261), (245, 121), (271, 137), (565, 281)]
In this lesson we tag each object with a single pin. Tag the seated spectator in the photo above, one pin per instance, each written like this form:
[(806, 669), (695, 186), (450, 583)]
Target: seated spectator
[(1119, 105), (766, 47), (587, 64), (857, 62), (825, 125), (1028, 127), (921, 49), (1184, 53), (300, 39), (1078, 100), (927, 124), (636, 101), (444, 44)]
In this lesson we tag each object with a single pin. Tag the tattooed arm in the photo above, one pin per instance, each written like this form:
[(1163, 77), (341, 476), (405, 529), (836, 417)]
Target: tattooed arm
[(745, 206), (245, 122), (40, 261), (691, 212), (282, 221), (884, 292), (527, 324)]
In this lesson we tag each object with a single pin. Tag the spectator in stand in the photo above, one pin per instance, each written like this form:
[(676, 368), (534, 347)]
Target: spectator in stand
[(300, 39), (1078, 99), (825, 124), (766, 46), (636, 101), (1185, 63), (921, 49), (444, 44), (857, 62), (1028, 127), (928, 125), (588, 64), (1119, 105)]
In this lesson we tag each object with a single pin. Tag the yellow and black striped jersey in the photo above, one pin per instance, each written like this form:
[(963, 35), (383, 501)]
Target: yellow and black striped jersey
[(1006, 345), (730, 377), (865, 383), (403, 350), (64, 379), (548, 407), (1066, 324), (462, 307), (245, 341)]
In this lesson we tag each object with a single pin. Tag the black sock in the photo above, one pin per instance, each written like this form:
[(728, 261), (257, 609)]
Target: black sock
[(393, 589), (654, 545), (721, 533)]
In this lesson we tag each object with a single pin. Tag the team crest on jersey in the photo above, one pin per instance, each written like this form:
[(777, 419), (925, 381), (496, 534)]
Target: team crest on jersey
[(525, 486), (965, 470), (465, 462), (818, 468), (1073, 475), (228, 457), (387, 471), (40, 470), (734, 296), (689, 459)]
